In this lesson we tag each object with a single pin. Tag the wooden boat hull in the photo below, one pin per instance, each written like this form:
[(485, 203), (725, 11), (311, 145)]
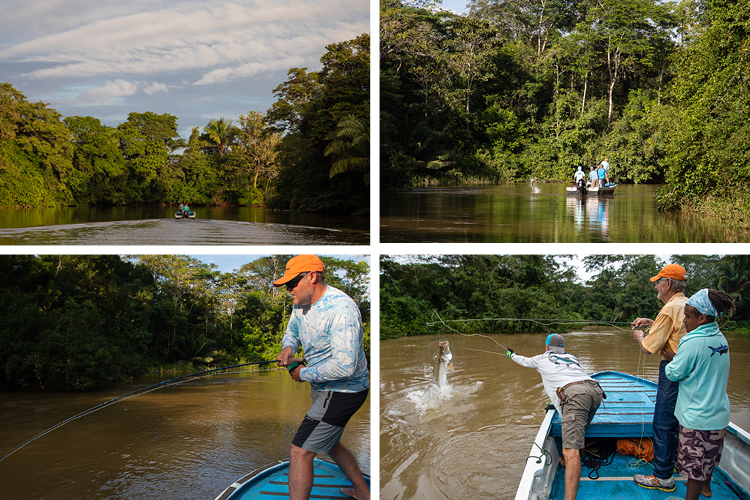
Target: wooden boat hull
[(626, 413), (272, 482)]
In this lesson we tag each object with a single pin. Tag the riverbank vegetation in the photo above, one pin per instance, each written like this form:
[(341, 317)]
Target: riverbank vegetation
[(515, 90), (295, 156), (432, 294), (78, 322)]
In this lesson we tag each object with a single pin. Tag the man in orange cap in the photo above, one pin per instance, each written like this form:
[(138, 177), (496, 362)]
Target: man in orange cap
[(665, 334), (327, 324)]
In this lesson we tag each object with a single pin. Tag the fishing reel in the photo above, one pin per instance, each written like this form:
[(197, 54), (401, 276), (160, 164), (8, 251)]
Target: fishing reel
[(295, 363)]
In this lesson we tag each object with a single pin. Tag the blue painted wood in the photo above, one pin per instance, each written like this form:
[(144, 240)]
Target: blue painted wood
[(628, 410), (272, 483)]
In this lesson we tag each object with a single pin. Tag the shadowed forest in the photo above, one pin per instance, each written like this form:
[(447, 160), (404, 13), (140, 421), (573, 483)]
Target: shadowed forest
[(309, 152), (82, 322), (537, 88), (473, 291)]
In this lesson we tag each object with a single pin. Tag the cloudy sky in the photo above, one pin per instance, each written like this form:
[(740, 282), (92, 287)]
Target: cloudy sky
[(196, 60)]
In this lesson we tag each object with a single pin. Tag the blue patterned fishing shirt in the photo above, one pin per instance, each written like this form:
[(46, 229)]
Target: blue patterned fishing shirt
[(330, 331)]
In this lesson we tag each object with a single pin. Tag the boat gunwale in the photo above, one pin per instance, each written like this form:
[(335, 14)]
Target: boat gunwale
[(534, 471)]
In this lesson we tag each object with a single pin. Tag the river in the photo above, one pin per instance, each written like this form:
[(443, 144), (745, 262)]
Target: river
[(156, 225), (511, 213), (476, 446), (188, 441)]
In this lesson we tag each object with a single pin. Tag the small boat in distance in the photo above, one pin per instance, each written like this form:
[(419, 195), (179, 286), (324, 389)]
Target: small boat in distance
[(606, 190), (272, 482), (180, 214), (627, 412)]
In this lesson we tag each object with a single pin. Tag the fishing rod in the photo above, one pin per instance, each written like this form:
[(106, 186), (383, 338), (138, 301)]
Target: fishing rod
[(143, 390)]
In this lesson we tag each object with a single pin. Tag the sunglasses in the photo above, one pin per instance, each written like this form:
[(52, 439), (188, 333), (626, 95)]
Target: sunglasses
[(291, 284)]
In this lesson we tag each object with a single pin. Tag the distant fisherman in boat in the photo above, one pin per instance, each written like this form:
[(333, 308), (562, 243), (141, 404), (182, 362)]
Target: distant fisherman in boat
[(576, 397), (601, 174), (328, 325), (593, 178), (666, 332), (701, 367), (580, 179)]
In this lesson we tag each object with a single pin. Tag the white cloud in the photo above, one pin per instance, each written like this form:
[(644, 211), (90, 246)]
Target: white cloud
[(156, 87), (107, 93), (218, 42)]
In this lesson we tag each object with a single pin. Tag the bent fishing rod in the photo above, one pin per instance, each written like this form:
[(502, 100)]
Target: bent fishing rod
[(138, 392)]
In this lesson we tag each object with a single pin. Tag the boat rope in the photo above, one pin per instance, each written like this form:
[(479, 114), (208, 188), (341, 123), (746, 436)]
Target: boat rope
[(544, 453), (138, 392), (601, 458)]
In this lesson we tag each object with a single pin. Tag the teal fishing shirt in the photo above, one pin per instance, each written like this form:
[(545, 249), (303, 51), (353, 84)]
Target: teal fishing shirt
[(330, 332), (701, 365)]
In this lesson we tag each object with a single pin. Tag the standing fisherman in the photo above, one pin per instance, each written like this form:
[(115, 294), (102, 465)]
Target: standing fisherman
[(702, 370), (666, 332), (328, 325), (576, 397)]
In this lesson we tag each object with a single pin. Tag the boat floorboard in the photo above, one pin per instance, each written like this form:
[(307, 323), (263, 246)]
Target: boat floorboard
[(616, 483)]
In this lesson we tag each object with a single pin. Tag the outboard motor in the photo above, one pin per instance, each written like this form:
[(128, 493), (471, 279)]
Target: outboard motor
[(582, 187)]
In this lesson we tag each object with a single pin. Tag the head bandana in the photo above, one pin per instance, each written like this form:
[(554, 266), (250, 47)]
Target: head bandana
[(702, 303)]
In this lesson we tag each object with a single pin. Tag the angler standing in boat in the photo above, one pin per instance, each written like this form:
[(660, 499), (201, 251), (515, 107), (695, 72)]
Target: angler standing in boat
[(327, 324), (702, 371), (666, 332), (576, 397)]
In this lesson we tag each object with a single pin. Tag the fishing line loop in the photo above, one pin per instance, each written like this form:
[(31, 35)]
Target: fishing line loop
[(130, 395)]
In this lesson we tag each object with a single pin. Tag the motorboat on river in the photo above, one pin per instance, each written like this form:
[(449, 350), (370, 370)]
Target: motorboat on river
[(606, 190), (627, 412), (184, 214), (272, 482)]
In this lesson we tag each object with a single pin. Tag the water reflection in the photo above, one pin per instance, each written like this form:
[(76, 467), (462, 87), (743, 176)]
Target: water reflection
[(514, 213), (592, 210), (155, 225)]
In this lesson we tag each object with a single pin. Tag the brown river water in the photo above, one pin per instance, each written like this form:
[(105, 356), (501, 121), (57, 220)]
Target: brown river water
[(476, 445), (187, 441), (156, 225)]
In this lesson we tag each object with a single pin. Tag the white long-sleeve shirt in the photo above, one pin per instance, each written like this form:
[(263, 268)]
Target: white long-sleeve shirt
[(557, 370)]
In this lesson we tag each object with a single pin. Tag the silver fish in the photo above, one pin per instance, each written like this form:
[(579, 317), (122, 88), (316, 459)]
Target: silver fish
[(443, 363)]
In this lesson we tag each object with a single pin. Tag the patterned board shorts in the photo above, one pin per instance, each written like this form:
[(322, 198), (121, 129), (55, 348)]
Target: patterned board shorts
[(699, 452)]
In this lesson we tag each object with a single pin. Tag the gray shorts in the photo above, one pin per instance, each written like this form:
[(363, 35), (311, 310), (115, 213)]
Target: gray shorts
[(324, 423), (578, 410)]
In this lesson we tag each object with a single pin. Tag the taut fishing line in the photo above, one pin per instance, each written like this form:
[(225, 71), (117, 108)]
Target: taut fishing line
[(435, 313), (542, 322), (124, 397)]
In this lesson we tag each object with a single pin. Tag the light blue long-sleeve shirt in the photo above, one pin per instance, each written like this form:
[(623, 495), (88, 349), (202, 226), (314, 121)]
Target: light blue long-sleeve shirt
[(701, 365), (330, 332)]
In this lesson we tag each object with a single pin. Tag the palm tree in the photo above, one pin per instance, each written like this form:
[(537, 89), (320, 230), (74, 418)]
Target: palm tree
[(221, 132), (351, 143)]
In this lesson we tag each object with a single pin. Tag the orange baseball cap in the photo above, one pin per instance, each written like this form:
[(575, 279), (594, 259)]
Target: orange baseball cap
[(300, 264), (674, 271)]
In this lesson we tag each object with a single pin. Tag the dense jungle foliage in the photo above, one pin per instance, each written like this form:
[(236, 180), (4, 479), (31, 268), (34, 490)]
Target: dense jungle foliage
[(536, 88), (305, 153), (81, 322), (469, 292)]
